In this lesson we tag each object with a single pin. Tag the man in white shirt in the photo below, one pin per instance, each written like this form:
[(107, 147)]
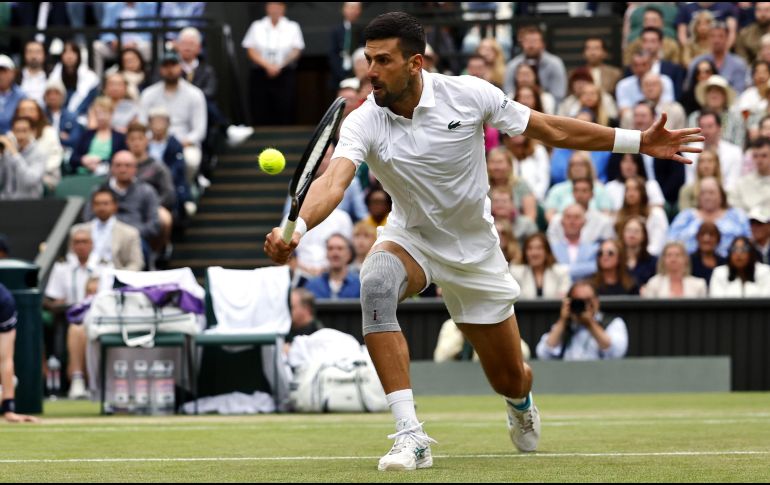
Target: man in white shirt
[(67, 287), (33, 74), (273, 44), (597, 227), (753, 190), (422, 136), (582, 331), (730, 155), (629, 90)]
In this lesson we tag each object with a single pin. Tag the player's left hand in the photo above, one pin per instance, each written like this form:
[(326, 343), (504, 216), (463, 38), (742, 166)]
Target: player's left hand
[(20, 418), (658, 142)]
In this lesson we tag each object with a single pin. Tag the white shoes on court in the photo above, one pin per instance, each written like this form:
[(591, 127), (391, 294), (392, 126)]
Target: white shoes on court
[(524, 427), (411, 449)]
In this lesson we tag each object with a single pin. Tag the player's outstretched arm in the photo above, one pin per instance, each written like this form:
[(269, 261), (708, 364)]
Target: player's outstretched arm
[(323, 196), (657, 141)]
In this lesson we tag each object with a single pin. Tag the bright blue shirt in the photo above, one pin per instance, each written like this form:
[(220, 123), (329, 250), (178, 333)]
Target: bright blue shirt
[(351, 287), (8, 103), (685, 227)]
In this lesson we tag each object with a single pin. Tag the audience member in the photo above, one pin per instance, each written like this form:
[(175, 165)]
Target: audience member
[(560, 195), (184, 14), (753, 190), (698, 40), (137, 200), (100, 143), (489, 48), (636, 204), (312, 249), (338, 281), (303, 316), (45, 139), (722, 12), (115, 243), (22, 163), (345, 39), (504, 209), (604, 75), (525, 76), (665, 56), (551, 71), (729, 66), (158, 176), (703, 71), (126, 108), (730, 155), (580, 257), (274, 44), (8, 321), (187, 110), (33, 75), (666, 48), (716, 96), (539, 276), (705, 258), (612, 276), (196, 71), (652, 89), (124, 14), (626, 166), (166, 147), (743, 276), (502, 174), (751, 105), (531, 162), (364, 236), (509, 243), (639, 262), (598, 226), (707, 167), (81, 83), (760, 232), (583, 332), (10, 93), (673, 279), (747, 45), (131, 65), (712, 207), (66, 287), (477, 66), (629, 90), (379, 204), (64, 123)]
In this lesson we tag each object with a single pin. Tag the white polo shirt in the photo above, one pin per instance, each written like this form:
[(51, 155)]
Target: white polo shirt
[(433, 166), (274, 42)]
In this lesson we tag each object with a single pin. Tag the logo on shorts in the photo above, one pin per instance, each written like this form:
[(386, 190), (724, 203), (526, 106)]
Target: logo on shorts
[(375, 315), (454, 124)]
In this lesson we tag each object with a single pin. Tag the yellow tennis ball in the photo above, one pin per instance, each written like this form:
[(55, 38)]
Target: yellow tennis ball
[(271, 161)]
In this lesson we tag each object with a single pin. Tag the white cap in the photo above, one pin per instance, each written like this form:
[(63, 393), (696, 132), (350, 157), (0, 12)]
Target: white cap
[(56, 85), (159, 111), (6, 62), (759, 215), (350, 83)]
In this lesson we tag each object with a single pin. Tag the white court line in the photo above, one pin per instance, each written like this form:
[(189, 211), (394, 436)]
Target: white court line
[(673, 454), (65, 428)]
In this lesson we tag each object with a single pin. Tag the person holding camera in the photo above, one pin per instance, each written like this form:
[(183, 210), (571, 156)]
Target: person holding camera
[(583, 332)]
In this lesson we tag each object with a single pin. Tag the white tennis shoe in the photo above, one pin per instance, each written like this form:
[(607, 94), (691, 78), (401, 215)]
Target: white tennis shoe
[(410, 451), (524, 427)]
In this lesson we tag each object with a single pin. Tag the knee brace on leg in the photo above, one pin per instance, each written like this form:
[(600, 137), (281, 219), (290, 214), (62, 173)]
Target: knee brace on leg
[(383, 281)]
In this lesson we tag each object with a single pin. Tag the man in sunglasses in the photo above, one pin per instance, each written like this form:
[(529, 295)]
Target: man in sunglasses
[(583, 332)]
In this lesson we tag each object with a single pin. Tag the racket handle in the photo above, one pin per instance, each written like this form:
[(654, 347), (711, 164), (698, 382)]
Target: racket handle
[(288, 230)]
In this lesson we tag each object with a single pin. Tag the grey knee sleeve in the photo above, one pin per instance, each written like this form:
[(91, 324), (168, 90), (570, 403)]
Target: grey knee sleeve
[(383, 281)]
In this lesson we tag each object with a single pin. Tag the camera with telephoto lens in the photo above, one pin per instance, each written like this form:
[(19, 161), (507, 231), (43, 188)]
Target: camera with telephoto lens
[(577, 307)]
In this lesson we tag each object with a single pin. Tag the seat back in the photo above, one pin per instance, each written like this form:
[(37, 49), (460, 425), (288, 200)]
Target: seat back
[(250, 301), (78, 185)]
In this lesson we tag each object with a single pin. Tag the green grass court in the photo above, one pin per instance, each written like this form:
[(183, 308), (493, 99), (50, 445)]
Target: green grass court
[(650, 438)]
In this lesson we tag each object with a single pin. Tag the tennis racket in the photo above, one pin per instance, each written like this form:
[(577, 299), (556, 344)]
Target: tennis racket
[(308, 164)]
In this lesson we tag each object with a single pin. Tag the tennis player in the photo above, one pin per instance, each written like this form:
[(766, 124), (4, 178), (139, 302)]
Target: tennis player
[(422, 136)]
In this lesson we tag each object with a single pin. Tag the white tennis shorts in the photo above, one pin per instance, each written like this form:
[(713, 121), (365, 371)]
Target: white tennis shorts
[(479, 293)]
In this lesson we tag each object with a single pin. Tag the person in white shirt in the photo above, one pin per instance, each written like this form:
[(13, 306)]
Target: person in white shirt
[(67, 287), (730, 155), (583, 332), (33, 74), (598, 226), (674, 279), (743, 276), (421, 134), (753, 190), (274, 44), (540, 276)]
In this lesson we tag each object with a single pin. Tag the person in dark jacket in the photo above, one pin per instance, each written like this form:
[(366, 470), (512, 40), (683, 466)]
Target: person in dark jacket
[(169, 150), (97, 146)]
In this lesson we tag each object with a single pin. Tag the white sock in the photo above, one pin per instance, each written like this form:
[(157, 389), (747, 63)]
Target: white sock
[(402, 406)]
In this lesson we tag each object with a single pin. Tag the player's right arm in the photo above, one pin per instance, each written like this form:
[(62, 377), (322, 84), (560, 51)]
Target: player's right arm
[(323, 196)]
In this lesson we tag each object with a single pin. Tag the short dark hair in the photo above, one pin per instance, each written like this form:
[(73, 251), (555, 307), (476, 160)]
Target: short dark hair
[(136, 127), (477, 57), (706, 113), (579, 283), (654, 30), (586, 180), (653, 8), (104, 190), (306, 299), (598, 39), (648, 105), (27, 119), (398, 25), (761, 142), (531, 29)]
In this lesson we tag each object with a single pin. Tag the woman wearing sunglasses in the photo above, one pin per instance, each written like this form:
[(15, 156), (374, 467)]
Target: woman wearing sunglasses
[(612, 277), (743, 276)]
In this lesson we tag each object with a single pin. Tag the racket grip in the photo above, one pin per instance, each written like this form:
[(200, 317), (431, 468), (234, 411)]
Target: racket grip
[(288, 230)]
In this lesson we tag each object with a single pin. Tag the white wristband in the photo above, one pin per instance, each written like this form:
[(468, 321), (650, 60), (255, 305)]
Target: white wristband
[(301, 226), (627, 141)]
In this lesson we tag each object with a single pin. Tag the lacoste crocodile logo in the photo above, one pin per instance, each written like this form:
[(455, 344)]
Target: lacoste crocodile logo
[(454, 124)]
